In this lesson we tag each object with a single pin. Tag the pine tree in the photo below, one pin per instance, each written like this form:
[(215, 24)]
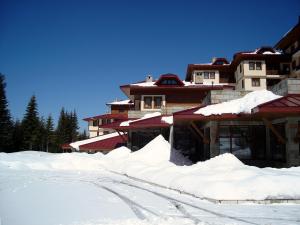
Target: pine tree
[(49, 133), (41, 137), (82, 136), (5, 119), (61, 130), (74, 126), (31, 125), (17, 136)]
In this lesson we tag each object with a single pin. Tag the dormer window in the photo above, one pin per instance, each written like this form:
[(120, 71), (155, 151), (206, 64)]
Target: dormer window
[(169, 80)]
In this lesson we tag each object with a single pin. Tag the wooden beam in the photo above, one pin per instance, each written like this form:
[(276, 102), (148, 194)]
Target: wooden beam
[(200, 133), (273, 129), (121, 136)]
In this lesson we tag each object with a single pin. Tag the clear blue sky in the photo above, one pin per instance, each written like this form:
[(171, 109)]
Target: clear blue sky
[(76, 53)]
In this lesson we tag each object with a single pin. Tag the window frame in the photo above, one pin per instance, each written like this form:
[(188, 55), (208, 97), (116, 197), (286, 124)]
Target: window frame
[(144, 102), (251, 65), (254, 82), (153, 107), (212, 75), (256, 67)]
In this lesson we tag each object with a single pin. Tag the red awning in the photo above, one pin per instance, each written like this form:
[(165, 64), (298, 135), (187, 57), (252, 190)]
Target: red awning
[(104, 145), (289, 104)]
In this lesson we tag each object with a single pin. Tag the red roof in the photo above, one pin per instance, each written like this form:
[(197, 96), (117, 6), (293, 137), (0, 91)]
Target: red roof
[(141, 123), (66, 146), (149, 122), (106, 144), (107, 116), (287, 104), (189, 114), (169, 77)]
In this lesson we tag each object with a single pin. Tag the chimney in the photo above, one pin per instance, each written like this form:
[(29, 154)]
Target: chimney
[(149, 78), (213, 60)]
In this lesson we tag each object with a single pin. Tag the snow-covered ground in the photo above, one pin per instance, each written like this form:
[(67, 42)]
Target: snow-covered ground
[(77, 189)]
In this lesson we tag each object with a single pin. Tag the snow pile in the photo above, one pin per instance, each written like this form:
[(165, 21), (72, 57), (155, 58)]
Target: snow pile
[(76, 144), (146, 116), (32, 160), (223, 177), (167, 119), (241, 105)]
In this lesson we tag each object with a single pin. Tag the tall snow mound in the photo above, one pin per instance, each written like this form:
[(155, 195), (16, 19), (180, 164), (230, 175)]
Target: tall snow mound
[(118, 153), (241, 105), (222, 162), (155, 152)]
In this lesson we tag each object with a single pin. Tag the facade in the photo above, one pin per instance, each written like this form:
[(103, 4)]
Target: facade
[(266, 136)]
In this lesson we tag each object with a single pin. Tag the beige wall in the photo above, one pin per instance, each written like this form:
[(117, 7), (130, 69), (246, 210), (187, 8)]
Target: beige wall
[(246, 75), (208, 81)]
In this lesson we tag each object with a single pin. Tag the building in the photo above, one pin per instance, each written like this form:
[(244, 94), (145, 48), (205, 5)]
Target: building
[(268, 135)]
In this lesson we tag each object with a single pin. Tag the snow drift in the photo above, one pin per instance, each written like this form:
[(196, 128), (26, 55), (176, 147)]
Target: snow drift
[(223, 177)]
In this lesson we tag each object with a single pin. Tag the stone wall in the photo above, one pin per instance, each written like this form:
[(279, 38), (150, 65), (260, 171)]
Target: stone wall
[(218, 96), (287, 86)]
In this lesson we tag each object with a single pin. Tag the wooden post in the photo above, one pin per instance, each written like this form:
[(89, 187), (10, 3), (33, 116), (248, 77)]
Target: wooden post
[(121, 136), (273, 129), (200, 133)]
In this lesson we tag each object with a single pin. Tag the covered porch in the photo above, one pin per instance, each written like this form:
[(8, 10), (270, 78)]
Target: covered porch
[(268, 136)]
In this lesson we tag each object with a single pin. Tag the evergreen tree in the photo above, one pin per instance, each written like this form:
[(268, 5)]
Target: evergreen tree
[(31, 125), (82, 136), (17, 136), (49, 134), (74, 126), (61, 130), (5, 119), (41, 137)]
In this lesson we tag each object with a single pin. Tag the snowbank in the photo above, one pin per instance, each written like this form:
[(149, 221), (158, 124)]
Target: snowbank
[(32, 160), (223, 177), (241, 105)]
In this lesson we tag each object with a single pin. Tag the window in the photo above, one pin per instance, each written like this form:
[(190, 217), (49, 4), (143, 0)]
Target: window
[(255, 82), (153, 102), (157, 102), (199, 73), (147, 102), (95, 123), (243, 84), (251, 66), (212, 75), (258, 65), (255, 66), (169, 82), (206, 75)]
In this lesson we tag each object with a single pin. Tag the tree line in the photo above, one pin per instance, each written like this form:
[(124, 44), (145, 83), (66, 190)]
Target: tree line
[(35, 132)]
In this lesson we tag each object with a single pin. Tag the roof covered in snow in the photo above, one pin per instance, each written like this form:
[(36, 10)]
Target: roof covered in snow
[(77, 144), (121, 102)]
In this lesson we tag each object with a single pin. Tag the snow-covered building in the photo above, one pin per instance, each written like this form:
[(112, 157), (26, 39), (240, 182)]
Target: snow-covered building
[(249, 107)]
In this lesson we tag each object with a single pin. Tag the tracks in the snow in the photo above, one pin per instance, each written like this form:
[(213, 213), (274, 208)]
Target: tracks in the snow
[(178, 204)]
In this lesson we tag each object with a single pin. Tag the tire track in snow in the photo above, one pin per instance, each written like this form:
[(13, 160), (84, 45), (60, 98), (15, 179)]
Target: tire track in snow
[(181, 209), (188, 204), (135, 207)]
